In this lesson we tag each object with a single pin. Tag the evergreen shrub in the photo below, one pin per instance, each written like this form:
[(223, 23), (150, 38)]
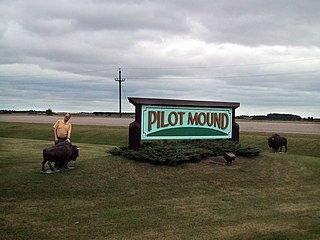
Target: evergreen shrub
[(176, 152)]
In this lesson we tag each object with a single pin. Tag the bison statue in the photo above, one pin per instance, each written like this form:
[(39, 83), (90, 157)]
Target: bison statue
[(61, 154), (276, 141)]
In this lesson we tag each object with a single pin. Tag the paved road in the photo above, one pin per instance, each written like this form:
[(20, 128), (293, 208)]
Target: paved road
[(279, 127), (245, 126), (75, 120)]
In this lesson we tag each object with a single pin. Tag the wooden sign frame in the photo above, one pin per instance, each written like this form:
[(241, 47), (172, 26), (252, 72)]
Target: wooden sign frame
[(181, 112)]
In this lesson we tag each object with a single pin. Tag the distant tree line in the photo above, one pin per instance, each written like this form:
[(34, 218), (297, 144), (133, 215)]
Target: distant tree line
[(276, 116), (113, 114), (21, 111), (48, 112), (271, 116)]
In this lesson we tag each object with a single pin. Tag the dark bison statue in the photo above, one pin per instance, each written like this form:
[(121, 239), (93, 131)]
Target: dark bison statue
[(61, 154), (276, 141)]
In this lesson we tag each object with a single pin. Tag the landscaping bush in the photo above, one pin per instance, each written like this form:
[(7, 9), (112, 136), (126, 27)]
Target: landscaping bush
[(177, 152)]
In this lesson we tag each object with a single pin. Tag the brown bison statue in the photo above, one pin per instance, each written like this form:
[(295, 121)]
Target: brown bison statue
[(276, 141), (61, 154)]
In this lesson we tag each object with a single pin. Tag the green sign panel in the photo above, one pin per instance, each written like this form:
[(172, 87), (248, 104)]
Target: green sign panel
[(161, 122)]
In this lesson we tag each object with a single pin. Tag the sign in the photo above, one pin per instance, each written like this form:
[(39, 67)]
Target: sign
[(162, 122), (159, 119)]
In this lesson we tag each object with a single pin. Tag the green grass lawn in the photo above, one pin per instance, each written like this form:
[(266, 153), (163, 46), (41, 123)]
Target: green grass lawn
[(273, 196)]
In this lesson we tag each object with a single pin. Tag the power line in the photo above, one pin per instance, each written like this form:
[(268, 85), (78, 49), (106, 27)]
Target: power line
[(226, 77), (90, 71), (213, 77), (229, 65), (58, 73), (166, 68)]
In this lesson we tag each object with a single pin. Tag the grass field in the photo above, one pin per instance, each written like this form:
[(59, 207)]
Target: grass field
[(273, 196)]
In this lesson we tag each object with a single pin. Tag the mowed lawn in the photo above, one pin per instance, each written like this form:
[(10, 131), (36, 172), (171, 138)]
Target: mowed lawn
[(273, 196)]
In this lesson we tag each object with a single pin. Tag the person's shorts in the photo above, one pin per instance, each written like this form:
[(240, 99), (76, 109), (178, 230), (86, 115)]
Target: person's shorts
[(61, 140)]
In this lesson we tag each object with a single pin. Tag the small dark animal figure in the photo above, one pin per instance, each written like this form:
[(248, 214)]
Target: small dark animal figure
[(61, 154), (276, 141), (229, 157)]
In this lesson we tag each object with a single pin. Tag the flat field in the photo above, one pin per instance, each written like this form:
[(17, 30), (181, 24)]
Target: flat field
[(273, 196), (300, 127)]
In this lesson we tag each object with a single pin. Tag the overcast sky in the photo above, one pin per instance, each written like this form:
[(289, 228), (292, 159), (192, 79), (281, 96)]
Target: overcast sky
[(65, 55)]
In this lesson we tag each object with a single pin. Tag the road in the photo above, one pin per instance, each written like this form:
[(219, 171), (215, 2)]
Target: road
[(245, 126)]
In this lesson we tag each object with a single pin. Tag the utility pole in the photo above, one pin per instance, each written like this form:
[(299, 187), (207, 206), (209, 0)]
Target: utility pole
[(120, 80)]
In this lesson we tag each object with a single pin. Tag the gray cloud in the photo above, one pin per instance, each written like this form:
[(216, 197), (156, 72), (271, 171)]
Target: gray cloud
[(66, 54)]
